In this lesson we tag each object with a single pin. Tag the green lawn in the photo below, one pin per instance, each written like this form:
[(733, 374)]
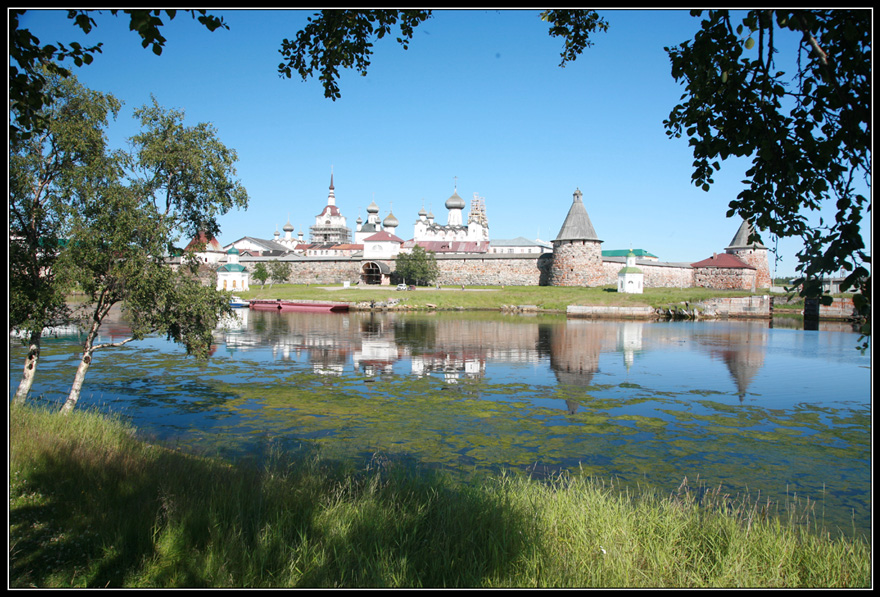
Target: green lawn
[(491, 297)]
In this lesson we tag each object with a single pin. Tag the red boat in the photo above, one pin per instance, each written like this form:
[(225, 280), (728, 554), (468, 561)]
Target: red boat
[(280, 305)]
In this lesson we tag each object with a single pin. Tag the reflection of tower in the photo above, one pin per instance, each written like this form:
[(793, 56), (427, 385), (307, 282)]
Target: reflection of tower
[(574, 351), (629, 341), (451, 366), (744, 354), (238, 320)]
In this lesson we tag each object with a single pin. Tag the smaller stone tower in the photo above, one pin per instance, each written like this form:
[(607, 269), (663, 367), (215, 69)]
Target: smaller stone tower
[(577, 251), (753, 253)]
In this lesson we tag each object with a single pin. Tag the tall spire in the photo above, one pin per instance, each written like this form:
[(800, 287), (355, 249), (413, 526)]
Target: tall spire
[(331, 196)]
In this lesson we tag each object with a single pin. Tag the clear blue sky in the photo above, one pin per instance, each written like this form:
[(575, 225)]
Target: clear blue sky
[(478, 97)]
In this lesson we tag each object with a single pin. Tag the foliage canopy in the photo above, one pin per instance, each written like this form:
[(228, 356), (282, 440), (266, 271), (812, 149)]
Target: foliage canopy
[(789, 90), (336, 39), (29, 61), (417, 267)]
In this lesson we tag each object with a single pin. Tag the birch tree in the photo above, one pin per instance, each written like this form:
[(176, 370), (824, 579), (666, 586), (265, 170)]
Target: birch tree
[(48, 173), (181, 178)]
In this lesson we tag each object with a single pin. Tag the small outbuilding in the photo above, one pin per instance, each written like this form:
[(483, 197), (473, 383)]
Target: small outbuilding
[(232, 275), (630, 279)]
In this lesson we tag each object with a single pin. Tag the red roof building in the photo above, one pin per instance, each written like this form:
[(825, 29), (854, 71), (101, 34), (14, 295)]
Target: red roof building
[(725, 260)]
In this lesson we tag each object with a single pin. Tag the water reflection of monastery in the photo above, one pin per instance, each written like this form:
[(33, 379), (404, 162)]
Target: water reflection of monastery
[(379, 345)]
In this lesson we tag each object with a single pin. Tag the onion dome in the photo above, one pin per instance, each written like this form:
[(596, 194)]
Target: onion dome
[(372, 208), (288, 227), (390, 221), (455, 202)]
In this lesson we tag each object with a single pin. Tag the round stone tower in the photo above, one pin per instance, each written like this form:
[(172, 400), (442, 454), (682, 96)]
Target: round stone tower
[(753, 253), (577, 251)]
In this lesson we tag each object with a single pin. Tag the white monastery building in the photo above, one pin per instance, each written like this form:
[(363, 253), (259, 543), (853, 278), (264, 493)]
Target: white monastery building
[(466, 255)]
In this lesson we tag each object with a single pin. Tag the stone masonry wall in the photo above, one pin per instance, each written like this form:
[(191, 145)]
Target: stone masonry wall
[(723, 278), (747, 306), (322, 271), (490, 269), (578, 263), (572, 265), (757, 258), (656, 276), (507, 270)]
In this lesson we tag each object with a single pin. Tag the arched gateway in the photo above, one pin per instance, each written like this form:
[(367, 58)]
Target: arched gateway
[(375, 272)]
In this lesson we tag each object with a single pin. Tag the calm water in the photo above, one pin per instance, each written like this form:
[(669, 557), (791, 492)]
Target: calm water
[(771, 412)]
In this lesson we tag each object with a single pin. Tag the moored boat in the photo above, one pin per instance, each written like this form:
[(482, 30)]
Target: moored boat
[(238, 303), (281, 305)]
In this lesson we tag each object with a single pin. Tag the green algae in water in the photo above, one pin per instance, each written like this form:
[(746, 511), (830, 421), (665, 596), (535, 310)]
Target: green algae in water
[(648, 428)]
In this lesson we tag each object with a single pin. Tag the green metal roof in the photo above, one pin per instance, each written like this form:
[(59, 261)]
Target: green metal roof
[(231, 267), (625, 252)]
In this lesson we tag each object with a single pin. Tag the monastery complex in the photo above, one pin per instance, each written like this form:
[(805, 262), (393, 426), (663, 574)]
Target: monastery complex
[(466, 255)]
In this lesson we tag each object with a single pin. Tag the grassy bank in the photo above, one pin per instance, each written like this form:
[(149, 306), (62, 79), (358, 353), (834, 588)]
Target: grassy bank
[(491, 297), (92, 505)]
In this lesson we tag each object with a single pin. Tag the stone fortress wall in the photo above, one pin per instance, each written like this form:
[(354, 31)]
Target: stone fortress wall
[(519, 270), (576, 260)]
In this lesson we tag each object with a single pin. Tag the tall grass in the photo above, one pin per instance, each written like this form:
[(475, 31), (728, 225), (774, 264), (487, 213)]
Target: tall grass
[(91, 505)]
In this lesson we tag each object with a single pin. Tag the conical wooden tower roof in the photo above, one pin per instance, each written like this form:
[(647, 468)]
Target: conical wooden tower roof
[(577, 225), (741, 238)]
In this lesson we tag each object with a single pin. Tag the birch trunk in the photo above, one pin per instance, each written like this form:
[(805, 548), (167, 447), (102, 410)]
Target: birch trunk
[(78, 380), (88, 349), (30, 368)]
